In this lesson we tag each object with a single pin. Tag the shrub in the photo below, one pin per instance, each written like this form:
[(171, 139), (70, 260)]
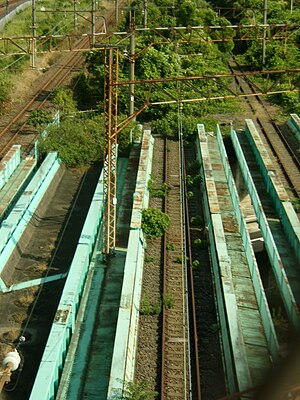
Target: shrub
[(154, 222), (149, 259), (200, 243), (197, 180), (193, 181), (181, 259), (148, 308), (63, 99), (296, 205), (159, 191), (194, 167), (78, 142), (168, 301), (138, 391), (189, 181), (38, 118), (171, 246)]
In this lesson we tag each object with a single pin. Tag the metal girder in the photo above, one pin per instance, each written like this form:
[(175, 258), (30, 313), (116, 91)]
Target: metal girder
[(110, 150), (193, 86), (157, 36), (214, 33)]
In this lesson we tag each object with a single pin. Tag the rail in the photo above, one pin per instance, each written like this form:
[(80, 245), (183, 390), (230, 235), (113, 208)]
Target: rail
[(175, 373)]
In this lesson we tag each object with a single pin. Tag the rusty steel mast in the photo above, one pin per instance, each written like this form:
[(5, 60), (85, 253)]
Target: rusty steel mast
[(110, 149), (180, 35)]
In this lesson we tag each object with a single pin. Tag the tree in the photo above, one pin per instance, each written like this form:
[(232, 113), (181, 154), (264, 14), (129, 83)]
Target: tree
[(78, 142), (63, 99)]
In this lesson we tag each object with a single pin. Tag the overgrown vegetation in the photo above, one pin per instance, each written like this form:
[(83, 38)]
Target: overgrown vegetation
[(157, 191), (200, 243), (64, 101), (198, 59), (296, 204), (154, 60), (138, 391), (154, 222), (78, 138), (78, 141), (58, 22), (149, 307), (40, 118)]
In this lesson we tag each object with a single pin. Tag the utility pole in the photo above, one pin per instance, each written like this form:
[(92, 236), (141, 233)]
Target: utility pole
[(117, 11), (33, 46), (145, 13), (75, 14), (132, 60), (264, 34), (6, 7), (93, 21)]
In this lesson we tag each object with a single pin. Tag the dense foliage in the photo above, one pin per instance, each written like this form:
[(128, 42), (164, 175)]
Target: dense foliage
[(138, 391), (158, 58), (51, 19), (78, 141), (196, 58), (39, 118), (154, 222)]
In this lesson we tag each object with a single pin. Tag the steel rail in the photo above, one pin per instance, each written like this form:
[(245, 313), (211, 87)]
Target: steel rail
[(175, 369), (59, 74), (164, 286), (196, 380), (288, 161)]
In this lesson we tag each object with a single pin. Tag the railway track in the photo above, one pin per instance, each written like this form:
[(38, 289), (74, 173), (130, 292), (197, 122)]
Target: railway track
[(168, 348), (17, 130), (282, 143), (14, 129), (7, 6), (175, 374), (209, 363)]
